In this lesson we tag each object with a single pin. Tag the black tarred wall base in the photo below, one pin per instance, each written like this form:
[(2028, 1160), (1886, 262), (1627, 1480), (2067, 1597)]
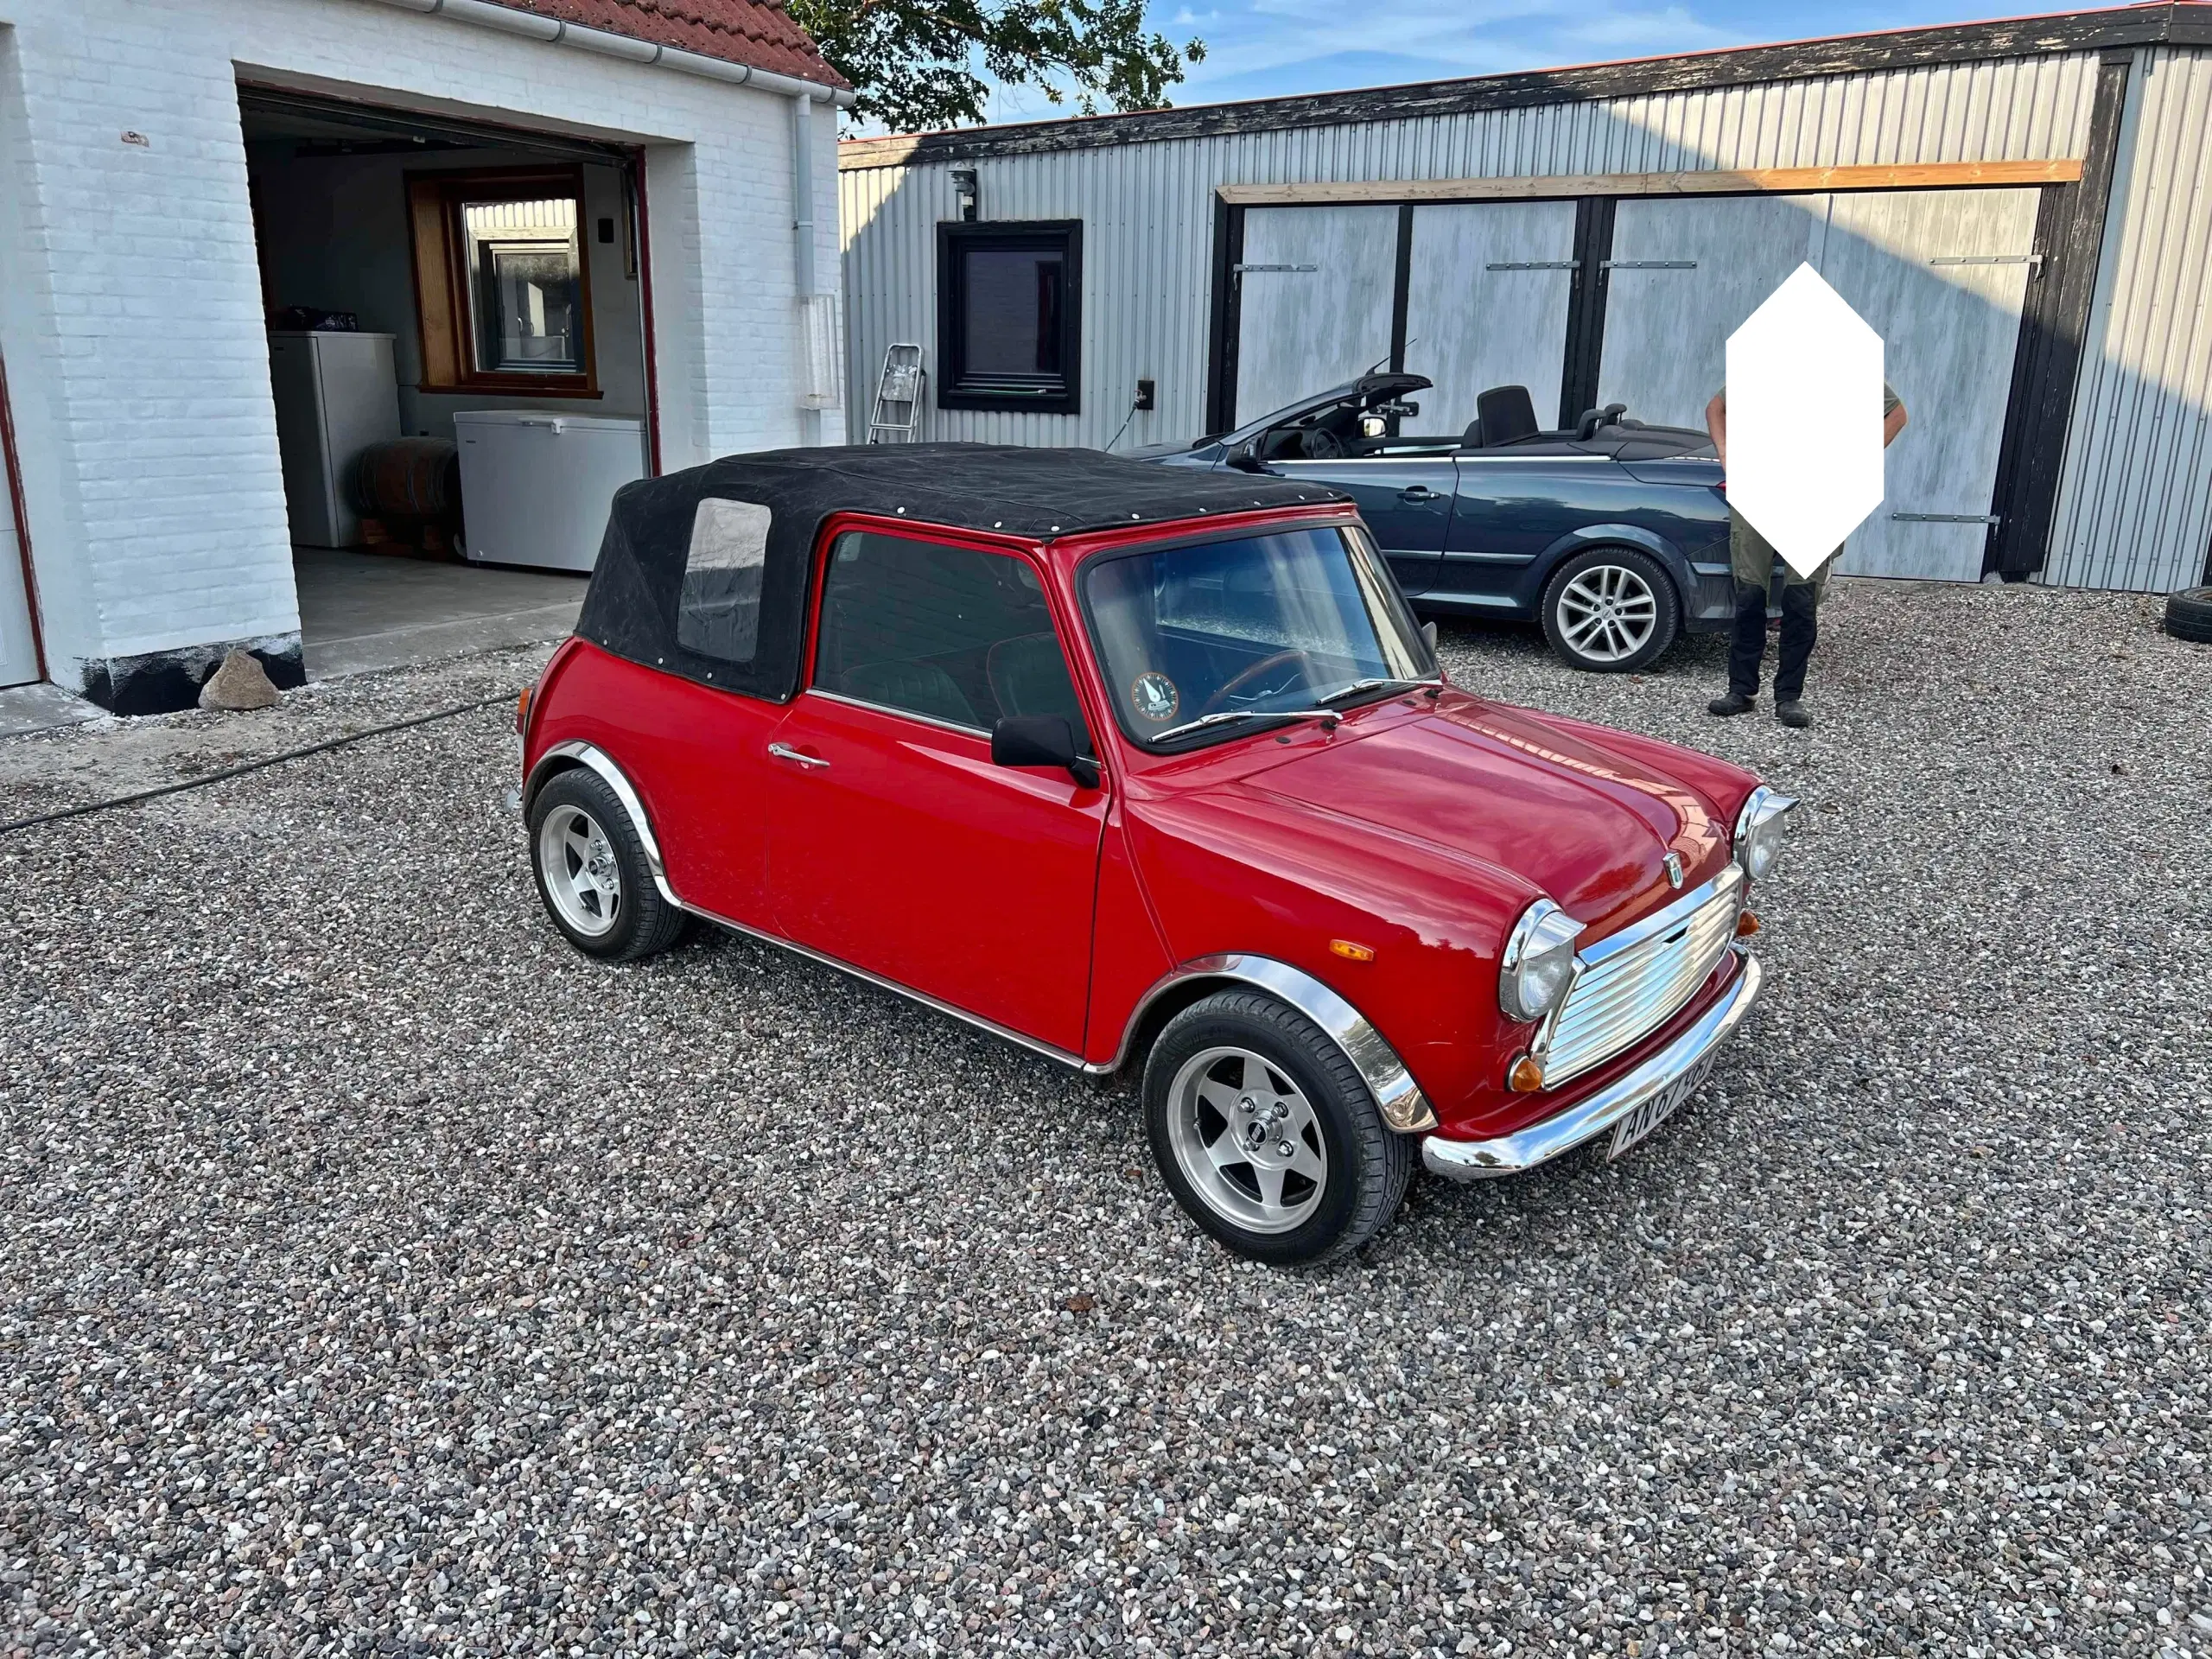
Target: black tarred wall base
[(162, 681)]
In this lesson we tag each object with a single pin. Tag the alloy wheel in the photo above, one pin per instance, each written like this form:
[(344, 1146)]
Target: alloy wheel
[(1247, 1140), (1607, 613), (581, 875)]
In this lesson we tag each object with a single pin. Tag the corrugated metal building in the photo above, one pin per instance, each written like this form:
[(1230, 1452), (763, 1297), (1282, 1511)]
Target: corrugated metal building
[(2023, 209)]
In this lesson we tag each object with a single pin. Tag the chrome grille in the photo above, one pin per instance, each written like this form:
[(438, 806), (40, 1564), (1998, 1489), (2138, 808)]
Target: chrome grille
[(1631, 982)]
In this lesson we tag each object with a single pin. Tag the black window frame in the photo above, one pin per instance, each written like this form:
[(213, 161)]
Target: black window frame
[(956, 239)]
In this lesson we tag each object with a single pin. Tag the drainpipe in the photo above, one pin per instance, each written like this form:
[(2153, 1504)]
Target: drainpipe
[(809, 419)]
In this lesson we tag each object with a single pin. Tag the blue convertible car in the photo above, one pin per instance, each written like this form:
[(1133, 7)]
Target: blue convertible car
[(1614, 536)]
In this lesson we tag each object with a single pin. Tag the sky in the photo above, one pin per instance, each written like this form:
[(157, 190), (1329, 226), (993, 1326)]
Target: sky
[(1258, 48)]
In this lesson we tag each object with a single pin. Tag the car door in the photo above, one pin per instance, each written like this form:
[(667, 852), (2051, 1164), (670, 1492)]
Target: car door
[(1512, 506), (894, 843), (1407, 500)]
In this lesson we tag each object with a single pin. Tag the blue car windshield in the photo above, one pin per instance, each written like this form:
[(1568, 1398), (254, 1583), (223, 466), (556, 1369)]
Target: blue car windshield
[(1281, 623)]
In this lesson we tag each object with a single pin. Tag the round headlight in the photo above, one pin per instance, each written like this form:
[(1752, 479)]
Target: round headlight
[(1758, 831), (1537, 964)]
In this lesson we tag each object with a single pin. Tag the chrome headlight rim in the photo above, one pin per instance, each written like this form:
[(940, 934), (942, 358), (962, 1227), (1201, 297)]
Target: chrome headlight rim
[(1543, 933), (1757, 839)]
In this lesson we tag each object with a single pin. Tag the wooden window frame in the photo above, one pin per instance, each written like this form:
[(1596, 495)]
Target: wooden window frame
[(444, 310), (954, 239)]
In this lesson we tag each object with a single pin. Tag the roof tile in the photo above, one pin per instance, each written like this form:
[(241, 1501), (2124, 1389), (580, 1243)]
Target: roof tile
[(757, 33)]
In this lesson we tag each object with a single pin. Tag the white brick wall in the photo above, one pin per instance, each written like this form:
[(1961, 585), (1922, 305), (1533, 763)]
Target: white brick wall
[(131, 318)]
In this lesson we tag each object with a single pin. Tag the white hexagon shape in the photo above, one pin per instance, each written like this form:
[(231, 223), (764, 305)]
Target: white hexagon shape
[(1805, 420)]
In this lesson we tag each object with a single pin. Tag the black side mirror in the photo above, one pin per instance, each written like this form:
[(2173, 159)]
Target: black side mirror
[(1245, 457), (1041, 741)]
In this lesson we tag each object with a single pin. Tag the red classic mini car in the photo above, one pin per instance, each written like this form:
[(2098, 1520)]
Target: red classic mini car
[(1149, 769)]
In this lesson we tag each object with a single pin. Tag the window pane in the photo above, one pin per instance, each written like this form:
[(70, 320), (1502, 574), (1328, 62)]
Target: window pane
[(1014, 304), (718, 612), (945, 632), (526, 267)]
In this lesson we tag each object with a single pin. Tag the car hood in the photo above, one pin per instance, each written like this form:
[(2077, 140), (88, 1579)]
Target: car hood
[(1589, 827)]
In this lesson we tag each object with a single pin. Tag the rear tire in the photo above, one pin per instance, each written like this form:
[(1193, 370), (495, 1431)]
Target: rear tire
[(2189, 614), (591, 872), (1611, 610), (1265, 1134)]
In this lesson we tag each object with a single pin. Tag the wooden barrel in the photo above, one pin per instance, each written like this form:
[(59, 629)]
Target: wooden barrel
[(409, 478)]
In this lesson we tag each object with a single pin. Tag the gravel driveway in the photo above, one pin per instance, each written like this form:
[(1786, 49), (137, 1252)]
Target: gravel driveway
[(378, 1275)]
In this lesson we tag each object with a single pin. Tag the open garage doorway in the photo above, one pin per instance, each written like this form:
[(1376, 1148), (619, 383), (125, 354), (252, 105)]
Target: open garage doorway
[(459, 354)]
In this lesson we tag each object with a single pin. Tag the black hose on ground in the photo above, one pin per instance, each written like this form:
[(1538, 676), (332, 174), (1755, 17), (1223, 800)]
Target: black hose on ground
[(252, 765)]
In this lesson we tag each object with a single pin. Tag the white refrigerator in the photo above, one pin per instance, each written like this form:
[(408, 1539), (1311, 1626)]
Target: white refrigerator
[(336, 394), (534, 487)]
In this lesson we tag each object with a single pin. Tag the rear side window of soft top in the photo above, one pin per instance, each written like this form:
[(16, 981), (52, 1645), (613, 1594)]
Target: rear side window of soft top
[(718, 611)]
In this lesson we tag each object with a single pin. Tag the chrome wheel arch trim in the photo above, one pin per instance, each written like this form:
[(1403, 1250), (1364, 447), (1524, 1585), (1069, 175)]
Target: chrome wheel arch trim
[(575, 752), (1404, 1107)]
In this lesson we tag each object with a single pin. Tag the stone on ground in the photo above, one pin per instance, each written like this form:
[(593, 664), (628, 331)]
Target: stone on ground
[(241, 682)]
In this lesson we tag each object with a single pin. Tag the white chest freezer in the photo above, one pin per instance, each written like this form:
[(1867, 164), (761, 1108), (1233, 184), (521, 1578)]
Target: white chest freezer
[(535, 487)]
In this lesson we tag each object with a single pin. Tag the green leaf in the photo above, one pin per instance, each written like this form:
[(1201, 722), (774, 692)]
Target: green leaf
[(921, 65)]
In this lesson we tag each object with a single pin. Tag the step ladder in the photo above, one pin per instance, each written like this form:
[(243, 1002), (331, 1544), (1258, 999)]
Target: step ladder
[(898, 415)]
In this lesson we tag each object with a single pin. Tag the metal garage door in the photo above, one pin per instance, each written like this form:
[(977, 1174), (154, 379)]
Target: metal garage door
[(1317, 286), (1683, 276), (1486, 304), (1941, 275)]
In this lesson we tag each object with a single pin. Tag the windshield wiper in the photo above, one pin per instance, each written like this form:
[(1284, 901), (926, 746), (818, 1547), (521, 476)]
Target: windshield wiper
[(1222, 717), (1358, 686)]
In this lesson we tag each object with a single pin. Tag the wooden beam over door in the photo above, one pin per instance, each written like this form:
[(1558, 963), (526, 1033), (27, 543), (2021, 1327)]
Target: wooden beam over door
[(1778, 181)]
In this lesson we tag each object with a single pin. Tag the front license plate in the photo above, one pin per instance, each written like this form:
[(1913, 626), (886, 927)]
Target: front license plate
[(1658, 1110)]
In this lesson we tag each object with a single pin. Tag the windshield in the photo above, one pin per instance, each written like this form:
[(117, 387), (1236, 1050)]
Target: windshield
[(1227, 631)]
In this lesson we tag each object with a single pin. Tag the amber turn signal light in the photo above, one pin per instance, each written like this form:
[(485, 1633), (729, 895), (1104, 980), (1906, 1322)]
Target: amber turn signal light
[(1349, 951), (522, 710), (1527, 1075), (1746, 925)]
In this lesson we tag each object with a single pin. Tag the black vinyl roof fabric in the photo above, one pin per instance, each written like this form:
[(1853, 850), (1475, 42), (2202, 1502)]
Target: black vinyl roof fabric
[(632, 606)]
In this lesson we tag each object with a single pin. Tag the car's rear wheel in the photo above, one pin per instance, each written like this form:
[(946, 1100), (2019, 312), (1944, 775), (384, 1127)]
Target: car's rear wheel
[(1265, 1134), (1611, 610), (591, 872)]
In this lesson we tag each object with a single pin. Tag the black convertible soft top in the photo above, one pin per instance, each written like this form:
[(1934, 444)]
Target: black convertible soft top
[(656, 598)]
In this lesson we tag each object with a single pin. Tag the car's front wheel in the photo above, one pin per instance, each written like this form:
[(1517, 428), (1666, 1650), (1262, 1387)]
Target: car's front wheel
[(592, 871), (1611, 610), (1266, 1135)]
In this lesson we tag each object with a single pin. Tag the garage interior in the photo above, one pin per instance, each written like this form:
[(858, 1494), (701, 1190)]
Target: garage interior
[(458, 351)]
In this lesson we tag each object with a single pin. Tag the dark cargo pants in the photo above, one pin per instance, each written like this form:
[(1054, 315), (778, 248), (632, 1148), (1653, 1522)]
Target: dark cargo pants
[(1754, 562)]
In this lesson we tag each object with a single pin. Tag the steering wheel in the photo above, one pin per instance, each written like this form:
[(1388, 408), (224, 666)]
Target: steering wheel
[(1244, 678), (1318, 443)]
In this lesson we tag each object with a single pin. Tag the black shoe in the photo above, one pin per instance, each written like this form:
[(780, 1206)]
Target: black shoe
[(1792, 713), (1734, 704)]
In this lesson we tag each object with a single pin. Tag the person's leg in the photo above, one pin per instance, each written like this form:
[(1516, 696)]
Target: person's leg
[(1750, 560), (1747, 641), (1801, 629)]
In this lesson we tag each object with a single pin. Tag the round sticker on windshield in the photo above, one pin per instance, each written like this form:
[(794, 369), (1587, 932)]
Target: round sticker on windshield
[(1155, 698)]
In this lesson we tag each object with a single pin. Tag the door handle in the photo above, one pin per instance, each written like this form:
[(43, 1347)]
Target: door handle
[(784, 752), (1420, 493)]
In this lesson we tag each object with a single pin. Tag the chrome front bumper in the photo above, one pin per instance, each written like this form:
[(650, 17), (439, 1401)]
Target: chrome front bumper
[(1476, 1160)]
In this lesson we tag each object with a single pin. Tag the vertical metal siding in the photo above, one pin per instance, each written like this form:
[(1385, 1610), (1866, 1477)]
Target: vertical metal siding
[(2135, 494), (1148, 208)]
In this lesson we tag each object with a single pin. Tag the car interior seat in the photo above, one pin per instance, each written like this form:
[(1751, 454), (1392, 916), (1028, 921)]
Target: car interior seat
[(1029, 676), (919, 687), (1504, 415)]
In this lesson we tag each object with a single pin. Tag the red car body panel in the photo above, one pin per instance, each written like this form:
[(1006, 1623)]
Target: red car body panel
[(1416, 828)]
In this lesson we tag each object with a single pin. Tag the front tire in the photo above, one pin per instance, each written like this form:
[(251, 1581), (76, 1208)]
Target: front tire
[(1611, 610), (1266, 1135), (591, 872)]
